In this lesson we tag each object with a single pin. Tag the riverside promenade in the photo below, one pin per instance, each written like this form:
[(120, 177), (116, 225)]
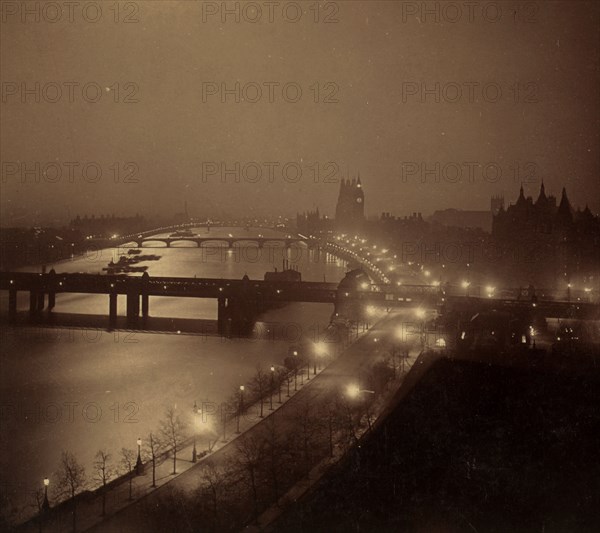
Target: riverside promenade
[(126, 515)]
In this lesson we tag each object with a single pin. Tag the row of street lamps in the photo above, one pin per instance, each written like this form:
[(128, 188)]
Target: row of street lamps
[(139, 470), (352, 390)]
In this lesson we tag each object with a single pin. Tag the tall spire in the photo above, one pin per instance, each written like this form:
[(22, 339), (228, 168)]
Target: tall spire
[(564, 212), (521, 200), (542, 196)]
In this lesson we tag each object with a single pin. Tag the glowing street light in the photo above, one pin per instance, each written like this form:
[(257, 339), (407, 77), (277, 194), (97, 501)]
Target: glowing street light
[(241, 406), (194, 452), (272, 387), (320, 351), (465, 285), (420, 313), (139, 467), (354, 391), (46, 503)]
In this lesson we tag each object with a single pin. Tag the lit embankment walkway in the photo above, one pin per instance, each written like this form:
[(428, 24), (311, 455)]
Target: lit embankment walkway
[(89, 507), (267, 521), (318, 392)]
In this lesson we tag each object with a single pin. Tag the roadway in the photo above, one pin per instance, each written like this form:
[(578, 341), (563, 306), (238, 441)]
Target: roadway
[(318, 393)]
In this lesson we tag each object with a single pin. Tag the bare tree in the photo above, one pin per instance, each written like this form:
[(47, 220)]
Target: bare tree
[(102, 473), (38, 497), (308, 427), (247, 461), (281, 377), (346, 419), (274, 453), (153, 447), (215, 480), (172, 431), (8, 509), (71, 480), (128, 459), (329, 417), (260, 386)]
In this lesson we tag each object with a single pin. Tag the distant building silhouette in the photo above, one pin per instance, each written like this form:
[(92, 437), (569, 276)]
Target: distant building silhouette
[(105, 226), (566, 241), (350, 208), (463, 218), (496, 204), (312, 222), (460, 218)]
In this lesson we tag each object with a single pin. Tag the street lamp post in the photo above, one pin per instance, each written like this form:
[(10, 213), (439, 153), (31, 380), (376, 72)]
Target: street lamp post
[(272, 387), (320, 352), (224, 417), (295, 354), (139, 467), (46, 503), (194, 451), (465, 285), (241, 406)]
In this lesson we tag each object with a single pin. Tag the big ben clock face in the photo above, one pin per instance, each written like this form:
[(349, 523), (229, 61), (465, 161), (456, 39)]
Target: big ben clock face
[(359, 200)]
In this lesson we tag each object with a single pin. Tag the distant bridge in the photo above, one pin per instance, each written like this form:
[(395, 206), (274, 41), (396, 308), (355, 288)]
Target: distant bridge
[(240, 301), (145, 236), (229, 241)]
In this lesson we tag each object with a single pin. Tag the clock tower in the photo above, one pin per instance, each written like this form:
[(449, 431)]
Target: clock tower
[(350, 209)]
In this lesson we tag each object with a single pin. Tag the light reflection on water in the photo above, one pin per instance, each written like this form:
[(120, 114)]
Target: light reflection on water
[(49, 376)]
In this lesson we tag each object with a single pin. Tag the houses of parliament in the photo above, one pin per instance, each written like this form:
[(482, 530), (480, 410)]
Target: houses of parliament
[(349, 211), (562, 242)]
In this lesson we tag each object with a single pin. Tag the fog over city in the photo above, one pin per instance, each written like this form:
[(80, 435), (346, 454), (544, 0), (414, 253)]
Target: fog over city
[(378, 89), (299, 265)]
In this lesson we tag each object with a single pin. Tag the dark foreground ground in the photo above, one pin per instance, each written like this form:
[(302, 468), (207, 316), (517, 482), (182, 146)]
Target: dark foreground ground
[(473, 447)]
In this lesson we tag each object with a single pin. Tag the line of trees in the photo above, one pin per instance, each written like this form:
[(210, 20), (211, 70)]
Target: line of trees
[(71, 480), (270, 459)]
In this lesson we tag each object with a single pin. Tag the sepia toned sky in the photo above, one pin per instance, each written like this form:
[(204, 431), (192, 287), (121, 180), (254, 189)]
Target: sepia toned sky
[(370, 61)]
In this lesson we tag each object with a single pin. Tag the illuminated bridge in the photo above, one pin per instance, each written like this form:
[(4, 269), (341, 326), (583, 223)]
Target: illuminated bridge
[(156, 236), (147, 242), (242, 300)]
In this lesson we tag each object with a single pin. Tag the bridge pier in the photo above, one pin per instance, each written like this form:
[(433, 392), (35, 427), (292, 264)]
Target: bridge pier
[(112, 309), (145, 305), (235, 316), (221, 319), (41, 301), (33, 302), (51, 290), (51, 300), (133, 305), (145, 296)]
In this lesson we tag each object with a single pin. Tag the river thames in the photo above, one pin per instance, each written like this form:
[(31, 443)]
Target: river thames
[(85, 389)]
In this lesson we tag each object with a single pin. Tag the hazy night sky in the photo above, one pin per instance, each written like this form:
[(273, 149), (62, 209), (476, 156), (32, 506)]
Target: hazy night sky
[(369, 54)]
